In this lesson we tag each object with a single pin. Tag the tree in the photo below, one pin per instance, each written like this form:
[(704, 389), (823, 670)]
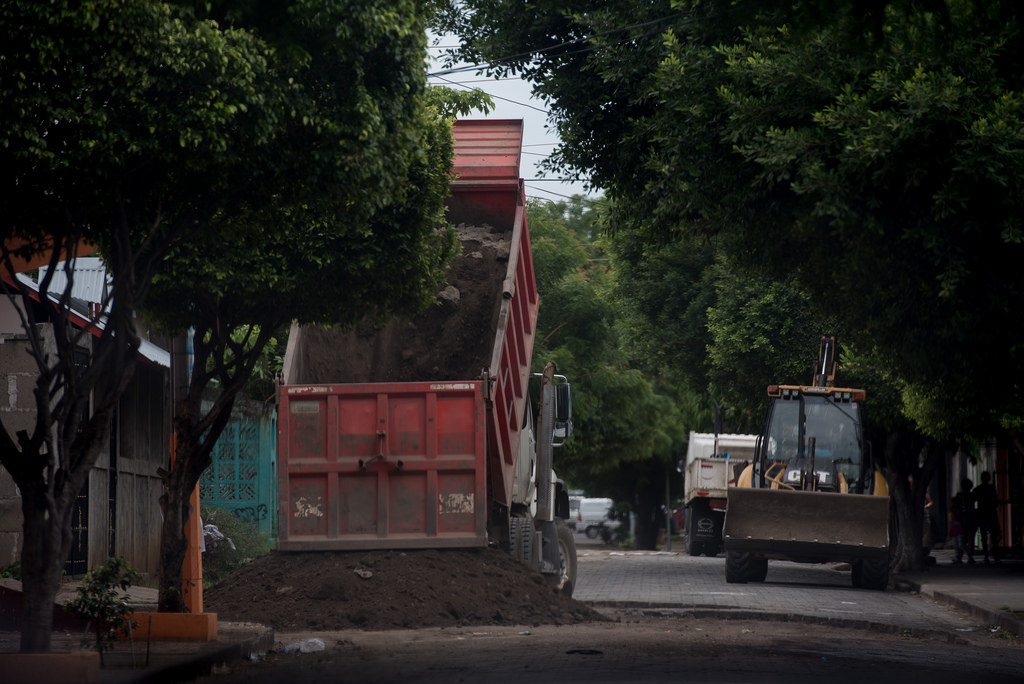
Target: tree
[(627, 429), (157, 134), (868, 153), (370, 244), (94, 147)]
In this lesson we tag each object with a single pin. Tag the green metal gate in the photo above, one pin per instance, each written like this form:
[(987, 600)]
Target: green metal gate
[(243, 475)]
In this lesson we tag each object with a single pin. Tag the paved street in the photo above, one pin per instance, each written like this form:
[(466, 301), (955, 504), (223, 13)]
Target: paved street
[(674, 618), (676, 582), (669, 614)]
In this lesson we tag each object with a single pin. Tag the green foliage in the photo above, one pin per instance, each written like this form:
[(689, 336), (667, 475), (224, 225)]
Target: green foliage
[(243, 543), (11, 570), (101, 601), (451, 103), (627, 428), (239, 165), (762, 332), (868, 155)]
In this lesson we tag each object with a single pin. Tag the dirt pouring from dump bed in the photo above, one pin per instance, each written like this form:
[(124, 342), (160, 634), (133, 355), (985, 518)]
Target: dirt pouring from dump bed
[(380, 590), (451, 340)]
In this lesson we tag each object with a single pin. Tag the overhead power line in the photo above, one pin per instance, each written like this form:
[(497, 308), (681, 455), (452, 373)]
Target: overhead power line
[(496, 97), (542, 51)]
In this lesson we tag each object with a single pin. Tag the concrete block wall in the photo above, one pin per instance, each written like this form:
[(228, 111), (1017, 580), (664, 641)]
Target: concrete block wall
[(17, 412)]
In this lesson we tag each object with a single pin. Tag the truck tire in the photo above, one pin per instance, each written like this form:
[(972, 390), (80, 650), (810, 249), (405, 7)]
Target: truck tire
[(565, 581), (741, 568), (870, 574), (593, 531), (520, 532), (693, 548)]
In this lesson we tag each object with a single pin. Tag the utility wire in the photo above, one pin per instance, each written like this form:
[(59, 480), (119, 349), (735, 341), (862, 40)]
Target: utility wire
[(496, 97), (542, 51)]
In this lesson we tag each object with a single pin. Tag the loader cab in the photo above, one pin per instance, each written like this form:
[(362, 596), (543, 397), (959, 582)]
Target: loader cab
[(813, 439)]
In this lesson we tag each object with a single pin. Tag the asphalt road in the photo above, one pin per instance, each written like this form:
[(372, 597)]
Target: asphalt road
[(674, 618)]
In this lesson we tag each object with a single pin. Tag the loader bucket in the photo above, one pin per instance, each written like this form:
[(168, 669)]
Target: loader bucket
[(808, 527)]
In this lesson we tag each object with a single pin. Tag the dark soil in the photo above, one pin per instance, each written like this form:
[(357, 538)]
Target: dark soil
[(451, 340), (380, 590)]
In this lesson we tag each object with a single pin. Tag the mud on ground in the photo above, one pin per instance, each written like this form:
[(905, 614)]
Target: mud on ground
[(380, 590)]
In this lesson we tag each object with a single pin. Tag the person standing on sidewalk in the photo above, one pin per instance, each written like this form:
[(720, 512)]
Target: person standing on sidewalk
[(988, 520), (962, 526)]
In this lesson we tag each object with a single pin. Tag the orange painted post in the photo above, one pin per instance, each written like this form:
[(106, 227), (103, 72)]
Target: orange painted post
[(192, 568)]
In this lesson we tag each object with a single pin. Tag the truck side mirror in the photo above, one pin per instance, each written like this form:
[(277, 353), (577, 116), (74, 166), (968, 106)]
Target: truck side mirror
[(563, 411), (563, 402)]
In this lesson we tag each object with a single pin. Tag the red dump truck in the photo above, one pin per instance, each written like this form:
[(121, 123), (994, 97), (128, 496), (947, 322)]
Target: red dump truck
[(420, 433)]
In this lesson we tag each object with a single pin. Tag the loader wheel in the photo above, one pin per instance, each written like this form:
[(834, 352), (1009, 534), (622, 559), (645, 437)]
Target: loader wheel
[(741, 568), (870, 574), (565, 580)]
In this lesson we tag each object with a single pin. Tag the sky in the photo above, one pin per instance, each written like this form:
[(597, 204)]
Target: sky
[(512, 100)]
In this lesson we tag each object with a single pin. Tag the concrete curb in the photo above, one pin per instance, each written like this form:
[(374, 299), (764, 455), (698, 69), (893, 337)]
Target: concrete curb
[(191, 666), (1004, 621), (659, 610)]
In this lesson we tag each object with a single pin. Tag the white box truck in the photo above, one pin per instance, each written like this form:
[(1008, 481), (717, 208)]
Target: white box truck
[(712, 464)]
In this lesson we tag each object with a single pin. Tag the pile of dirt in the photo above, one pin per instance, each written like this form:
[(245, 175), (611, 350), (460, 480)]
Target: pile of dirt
[(379, 590), (451, 340)]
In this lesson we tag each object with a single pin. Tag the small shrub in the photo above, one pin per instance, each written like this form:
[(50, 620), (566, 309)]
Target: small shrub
[(11, 571), (241, 542), (101, 600)]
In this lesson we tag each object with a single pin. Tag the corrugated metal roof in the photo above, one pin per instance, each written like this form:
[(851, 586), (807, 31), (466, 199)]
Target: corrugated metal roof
[(89, 285), (488, 149)]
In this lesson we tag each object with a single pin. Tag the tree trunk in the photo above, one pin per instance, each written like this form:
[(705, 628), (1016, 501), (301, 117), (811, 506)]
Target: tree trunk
[(909, 529), (194, 448), (173, 544), (42, 560), (908, 483), (648, 498)]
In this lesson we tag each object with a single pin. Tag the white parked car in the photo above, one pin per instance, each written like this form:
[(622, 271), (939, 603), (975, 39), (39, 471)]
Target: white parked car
[(595, 519), (574, 511)]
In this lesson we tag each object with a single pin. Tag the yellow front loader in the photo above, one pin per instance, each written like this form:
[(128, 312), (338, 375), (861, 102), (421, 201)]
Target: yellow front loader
[(812, 494)]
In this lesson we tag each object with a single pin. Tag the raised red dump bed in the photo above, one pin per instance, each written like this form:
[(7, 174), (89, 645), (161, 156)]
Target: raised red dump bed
[(403, 462)]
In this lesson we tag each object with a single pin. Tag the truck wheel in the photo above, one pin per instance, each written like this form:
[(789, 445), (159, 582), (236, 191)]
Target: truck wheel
[(870, 574), (741, 568), (520, 532), (565, 580), (592, 532), (693, 548)]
